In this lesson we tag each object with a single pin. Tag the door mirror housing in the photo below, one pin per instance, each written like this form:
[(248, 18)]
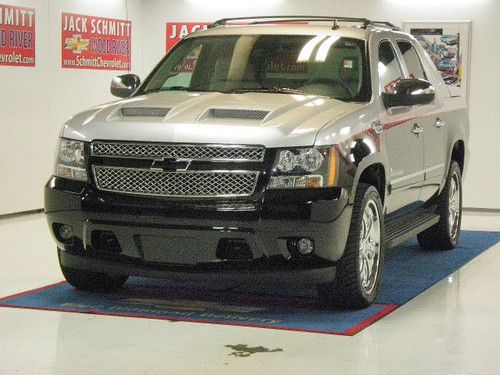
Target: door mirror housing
[(123, 86), (408, 92)]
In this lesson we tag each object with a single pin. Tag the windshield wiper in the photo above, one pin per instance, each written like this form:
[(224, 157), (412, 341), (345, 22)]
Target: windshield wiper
[(272, 90), (175, 88)]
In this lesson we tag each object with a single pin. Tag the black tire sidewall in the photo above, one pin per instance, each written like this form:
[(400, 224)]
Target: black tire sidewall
[(91, 281), (445, 204)]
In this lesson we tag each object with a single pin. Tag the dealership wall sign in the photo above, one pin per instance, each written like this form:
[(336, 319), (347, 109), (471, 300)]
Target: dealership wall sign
[(17, 36), (97, 43), (178, 30)]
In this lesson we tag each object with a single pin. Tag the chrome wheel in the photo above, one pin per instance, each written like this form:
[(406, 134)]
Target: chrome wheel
[(454, 206), (369, 247)]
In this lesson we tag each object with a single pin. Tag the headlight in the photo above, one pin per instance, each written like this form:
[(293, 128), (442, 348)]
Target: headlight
[(309, 160), (304, 168), (70, 160)]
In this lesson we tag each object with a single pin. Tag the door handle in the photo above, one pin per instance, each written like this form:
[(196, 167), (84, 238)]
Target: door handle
[(439, 123), (377, 126), (417, 129)]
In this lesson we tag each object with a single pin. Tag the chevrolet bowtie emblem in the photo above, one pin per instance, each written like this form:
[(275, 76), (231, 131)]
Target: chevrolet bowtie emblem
[(171, 165), (76, 44)]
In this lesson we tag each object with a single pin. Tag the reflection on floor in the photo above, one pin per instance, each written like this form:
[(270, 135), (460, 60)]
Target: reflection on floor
[(452, 327)]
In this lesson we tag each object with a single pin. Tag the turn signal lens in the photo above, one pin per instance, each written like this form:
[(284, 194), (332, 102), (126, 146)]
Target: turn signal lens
[(290, 182), (332, 168)]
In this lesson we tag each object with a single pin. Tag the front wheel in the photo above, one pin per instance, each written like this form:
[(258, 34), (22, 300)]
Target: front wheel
[(92, 281), (359, 271)]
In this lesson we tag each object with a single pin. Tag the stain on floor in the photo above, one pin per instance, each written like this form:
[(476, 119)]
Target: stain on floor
[(243, 350)]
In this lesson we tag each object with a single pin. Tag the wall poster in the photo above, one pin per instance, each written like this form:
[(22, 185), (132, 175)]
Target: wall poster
[(17, 36), (178, 30), (95, 43), (448, 45)]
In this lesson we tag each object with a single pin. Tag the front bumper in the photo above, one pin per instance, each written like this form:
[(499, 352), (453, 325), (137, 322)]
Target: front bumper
[(182, 239)]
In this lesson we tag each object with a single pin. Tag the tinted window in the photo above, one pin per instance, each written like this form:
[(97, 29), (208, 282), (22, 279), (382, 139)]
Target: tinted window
[(388, 68), (411, 60)]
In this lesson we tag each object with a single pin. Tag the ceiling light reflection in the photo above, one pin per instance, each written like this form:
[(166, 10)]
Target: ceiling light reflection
[(325, 48), (305, 53)]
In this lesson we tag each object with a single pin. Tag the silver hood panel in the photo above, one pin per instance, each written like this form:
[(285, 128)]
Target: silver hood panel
[(291, 120)]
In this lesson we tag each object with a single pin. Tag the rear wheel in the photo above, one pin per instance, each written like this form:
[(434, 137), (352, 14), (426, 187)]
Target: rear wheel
[(359, 271), (92, 281), (444, 235)]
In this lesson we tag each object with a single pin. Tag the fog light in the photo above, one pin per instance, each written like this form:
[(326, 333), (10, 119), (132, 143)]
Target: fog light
[(305, 246), (65, 232)]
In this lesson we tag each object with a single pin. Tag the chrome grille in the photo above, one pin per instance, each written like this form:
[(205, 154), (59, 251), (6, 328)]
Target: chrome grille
[(176, 184), (177, 151)]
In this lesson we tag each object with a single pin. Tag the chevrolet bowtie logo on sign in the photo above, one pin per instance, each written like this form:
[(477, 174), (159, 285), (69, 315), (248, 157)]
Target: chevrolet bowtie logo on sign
[(76, 43), (171, 165)]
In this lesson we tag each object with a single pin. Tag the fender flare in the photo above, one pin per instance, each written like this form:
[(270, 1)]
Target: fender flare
[(369, 160)]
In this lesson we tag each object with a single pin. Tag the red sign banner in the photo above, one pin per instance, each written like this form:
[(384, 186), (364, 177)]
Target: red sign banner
[(178, 30), (95, 43), (17, 36)]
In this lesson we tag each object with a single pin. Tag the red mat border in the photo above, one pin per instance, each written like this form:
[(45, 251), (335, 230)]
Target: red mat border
[(350, 332)]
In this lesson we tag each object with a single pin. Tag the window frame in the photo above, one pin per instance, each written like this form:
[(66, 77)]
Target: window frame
[(402, 69), (422, 66)]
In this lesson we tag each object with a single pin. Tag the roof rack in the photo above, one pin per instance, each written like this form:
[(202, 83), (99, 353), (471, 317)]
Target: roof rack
[(365, 22)]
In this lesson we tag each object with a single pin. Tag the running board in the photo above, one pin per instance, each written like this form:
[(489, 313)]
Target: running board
[(404, 228)]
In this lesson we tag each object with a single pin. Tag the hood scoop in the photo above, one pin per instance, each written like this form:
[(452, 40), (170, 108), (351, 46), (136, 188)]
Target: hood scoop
[(144, 111), (235, 114)]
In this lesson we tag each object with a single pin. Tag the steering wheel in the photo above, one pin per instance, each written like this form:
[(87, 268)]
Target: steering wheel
[(331, 82)]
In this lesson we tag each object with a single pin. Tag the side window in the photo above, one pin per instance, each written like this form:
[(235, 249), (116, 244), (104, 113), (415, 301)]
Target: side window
[(412, 60), (389, 72)]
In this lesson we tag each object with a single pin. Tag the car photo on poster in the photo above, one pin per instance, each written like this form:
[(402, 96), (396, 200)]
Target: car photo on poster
[(450, 40), (447, 65)]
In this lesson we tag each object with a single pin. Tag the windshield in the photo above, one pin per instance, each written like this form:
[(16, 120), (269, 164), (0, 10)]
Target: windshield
[(290, 64)]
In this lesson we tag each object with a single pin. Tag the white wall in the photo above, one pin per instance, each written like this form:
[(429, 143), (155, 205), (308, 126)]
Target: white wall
[(482, 183), (34, 102)]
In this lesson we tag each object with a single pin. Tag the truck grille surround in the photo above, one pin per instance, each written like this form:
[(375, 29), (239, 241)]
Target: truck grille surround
[(214, 180)]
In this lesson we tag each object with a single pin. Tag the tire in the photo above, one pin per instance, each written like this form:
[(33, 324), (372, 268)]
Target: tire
[(353, 288), (445, 234), (92, 281)]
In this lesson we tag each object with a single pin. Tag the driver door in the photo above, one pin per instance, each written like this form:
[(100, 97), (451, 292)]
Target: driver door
[(402, 134)]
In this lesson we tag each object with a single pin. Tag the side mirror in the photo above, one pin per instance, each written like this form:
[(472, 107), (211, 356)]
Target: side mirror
[(408, 92), (123, 86)]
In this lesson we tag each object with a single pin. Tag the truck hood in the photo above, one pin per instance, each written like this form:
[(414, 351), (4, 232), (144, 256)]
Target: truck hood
[(271, 120)]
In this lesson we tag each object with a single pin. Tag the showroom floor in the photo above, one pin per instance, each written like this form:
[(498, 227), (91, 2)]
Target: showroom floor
[(452, 328)]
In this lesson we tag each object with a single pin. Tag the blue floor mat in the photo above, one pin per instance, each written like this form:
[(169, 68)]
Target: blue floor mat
[(408, 272)]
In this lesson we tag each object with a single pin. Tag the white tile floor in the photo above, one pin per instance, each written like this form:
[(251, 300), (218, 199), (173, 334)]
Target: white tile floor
[(452, 328)]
